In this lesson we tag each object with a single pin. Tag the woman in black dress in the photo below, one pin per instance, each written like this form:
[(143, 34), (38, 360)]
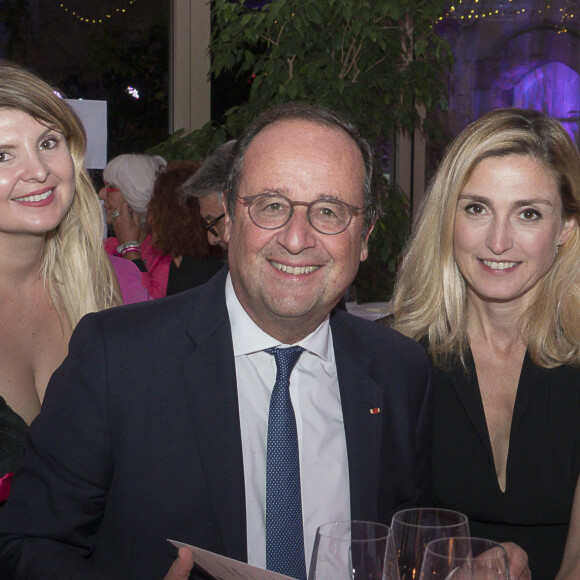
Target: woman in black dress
[(490, 283)]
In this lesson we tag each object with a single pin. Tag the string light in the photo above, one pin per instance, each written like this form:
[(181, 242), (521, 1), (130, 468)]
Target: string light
[(96, 20), (470, 10)]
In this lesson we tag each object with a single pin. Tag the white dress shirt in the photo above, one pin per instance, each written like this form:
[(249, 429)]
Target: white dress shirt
[(319, 422)]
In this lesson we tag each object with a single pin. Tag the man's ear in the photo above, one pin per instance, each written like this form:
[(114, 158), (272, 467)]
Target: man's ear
[(364, 251), (227, 220)]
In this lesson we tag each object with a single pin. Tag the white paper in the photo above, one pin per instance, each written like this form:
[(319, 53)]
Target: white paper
[(226, 568), (93, 115)]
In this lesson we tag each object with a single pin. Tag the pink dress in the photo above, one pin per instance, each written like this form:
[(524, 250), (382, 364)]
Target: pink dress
[(155, 279)]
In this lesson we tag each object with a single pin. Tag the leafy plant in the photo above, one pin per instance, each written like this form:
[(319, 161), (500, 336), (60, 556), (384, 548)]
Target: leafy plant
[(373, 60), (376, 275), (194, 146)]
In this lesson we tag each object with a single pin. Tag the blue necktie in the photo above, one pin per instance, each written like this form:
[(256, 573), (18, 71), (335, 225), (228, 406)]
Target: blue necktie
[(284, 530)]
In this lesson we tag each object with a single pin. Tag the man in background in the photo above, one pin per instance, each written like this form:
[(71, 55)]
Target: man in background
[(207, 185)]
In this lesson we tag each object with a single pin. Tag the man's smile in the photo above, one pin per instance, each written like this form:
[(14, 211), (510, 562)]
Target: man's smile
[(293, 269)]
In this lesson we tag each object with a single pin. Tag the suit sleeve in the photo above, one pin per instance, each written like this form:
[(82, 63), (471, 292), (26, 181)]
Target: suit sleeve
[(58, 495)]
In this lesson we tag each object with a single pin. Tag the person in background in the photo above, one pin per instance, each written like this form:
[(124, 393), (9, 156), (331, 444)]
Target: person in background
[(53, 269), (207, 185), (128, 186), (177, 229), (490, 283)]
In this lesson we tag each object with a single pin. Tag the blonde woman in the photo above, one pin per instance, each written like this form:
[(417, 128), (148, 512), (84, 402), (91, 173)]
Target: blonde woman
[(490, 283), (53, 269)]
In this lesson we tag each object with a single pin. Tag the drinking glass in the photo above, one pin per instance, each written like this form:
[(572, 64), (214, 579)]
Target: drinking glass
[(413, 529), (465, 559), (353, 550)]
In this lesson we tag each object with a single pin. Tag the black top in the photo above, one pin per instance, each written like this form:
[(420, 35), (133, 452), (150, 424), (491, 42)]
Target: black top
[(542, 465), (12, 434), (191, 272)]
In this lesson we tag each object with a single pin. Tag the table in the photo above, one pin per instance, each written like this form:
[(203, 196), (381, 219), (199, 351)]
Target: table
[(370, 310)]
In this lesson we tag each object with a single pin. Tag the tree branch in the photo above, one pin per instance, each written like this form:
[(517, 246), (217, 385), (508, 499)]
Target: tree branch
[(342, 44), (376, 63), (352, 61), (290, 62), (270, 40)]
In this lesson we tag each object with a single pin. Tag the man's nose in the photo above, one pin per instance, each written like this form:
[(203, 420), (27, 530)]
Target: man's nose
[(297, 234)]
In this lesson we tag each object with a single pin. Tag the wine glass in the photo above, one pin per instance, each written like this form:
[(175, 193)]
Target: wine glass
[(353, 550), (465, 559), (413, 529)]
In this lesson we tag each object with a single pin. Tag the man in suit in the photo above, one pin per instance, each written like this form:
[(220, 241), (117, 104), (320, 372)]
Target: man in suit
[(159, 423)]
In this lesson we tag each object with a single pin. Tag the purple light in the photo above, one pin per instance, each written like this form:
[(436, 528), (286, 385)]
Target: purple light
[(553, 89)]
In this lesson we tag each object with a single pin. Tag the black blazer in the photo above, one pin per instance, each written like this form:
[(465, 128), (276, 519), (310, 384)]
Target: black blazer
[(139, 440)]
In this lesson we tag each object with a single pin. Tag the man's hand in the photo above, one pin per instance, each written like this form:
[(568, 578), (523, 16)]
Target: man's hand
[(182, 566), (518, 562)]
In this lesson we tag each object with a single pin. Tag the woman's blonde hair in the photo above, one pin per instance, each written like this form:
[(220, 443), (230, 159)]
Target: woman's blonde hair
[(75, 269), (430, 296)]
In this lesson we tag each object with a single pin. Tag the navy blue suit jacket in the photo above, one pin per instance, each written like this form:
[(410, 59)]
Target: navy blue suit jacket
[(139, 440)]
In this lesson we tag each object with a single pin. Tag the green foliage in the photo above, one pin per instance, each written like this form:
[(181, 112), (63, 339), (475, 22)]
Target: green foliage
[(361, 57), (376, 276), (194, 146)]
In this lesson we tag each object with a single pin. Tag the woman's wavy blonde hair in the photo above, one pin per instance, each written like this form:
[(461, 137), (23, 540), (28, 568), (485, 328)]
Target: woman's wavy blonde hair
[(429, 302), (75, 269)]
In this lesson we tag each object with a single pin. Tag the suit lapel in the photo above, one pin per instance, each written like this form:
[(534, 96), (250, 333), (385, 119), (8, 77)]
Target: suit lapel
[(362, 410), (210, 380)]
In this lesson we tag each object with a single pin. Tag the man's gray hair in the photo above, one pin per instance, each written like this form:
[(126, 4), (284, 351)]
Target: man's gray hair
[(211, 176)]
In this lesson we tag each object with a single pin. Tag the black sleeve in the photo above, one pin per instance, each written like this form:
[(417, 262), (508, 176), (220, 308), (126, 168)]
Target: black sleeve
[(140, 263)]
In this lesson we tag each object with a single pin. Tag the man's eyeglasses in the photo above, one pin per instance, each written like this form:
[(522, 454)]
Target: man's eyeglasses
[(271, 211), (209, 225)]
